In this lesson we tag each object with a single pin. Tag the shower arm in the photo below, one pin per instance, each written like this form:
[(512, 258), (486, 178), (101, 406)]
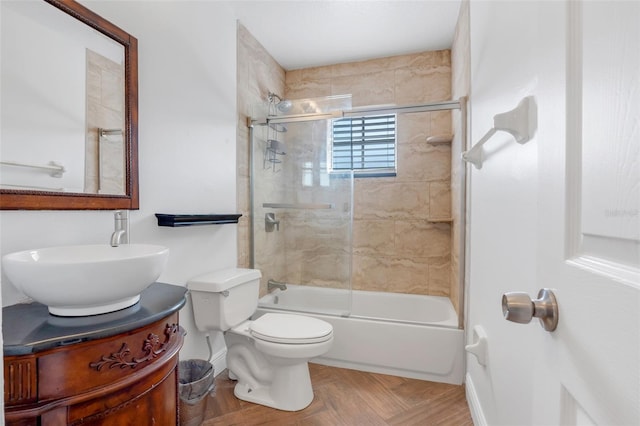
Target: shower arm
[(272, 96)]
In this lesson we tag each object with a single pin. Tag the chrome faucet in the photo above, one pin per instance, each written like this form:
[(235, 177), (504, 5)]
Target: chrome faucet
[(121, 224), (272, 284)]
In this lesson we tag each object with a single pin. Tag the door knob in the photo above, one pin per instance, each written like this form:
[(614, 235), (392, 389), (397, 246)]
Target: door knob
[(518, 307)]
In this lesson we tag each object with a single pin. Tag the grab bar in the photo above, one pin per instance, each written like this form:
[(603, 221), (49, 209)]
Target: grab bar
[(109, 132), (303, 206), (55, 170)]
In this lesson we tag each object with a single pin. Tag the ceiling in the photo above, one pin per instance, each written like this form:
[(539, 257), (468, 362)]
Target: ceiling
[(308, 33)]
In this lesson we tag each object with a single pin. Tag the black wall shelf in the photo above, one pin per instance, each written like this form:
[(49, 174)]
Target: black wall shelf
[(176, 220)]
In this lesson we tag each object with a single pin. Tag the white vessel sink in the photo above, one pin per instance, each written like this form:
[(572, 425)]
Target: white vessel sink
[(86, 279)]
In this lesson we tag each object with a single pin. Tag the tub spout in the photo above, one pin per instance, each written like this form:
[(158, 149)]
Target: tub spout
[(273, 284)]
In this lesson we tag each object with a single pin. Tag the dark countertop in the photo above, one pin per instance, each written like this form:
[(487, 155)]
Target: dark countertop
[(29, 328)]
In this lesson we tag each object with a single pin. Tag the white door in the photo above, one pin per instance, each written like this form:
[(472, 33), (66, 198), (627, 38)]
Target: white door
[(588, 370)]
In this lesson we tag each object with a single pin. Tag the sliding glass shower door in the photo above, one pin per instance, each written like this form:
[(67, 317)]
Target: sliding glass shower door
[(302, 217)]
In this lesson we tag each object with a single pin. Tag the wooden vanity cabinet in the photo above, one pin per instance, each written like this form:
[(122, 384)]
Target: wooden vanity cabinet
[(126, 379)]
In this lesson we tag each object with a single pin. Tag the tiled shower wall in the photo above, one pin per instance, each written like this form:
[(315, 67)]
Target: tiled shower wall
[(402, 225), (402, 230), (258, 74)]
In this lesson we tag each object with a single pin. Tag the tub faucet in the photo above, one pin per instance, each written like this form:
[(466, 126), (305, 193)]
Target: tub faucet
[(272, 284), (270, 222), (121, 224)]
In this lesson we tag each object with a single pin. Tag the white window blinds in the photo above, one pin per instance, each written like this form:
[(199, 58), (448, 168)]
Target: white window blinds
[(365, 144)]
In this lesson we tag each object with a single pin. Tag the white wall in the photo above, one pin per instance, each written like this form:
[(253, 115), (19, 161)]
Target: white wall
[(43, 101), (187, 122), (507, 53)]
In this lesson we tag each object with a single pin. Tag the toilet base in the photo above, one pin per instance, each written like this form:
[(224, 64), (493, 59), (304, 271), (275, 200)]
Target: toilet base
[(289, 391), (272, 374)]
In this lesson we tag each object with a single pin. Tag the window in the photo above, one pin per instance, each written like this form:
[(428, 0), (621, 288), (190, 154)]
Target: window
[(366, 145)]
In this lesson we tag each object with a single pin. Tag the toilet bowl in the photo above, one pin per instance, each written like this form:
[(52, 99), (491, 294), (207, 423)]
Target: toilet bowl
[(269, 358), (269, 355)]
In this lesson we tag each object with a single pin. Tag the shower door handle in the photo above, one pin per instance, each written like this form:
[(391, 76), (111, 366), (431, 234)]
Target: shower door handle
[(518, 307)]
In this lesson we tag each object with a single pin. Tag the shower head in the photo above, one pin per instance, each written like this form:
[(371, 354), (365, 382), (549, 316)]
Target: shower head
[(282, 105)]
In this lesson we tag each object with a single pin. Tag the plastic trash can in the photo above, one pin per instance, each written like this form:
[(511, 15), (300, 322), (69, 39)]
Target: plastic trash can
[(195, 382)]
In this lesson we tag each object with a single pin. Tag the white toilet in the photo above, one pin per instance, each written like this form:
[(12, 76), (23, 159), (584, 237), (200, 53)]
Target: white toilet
[(267, 356)]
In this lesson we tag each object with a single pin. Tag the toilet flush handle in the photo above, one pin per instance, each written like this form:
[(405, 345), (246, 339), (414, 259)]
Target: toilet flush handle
[(518, 307)]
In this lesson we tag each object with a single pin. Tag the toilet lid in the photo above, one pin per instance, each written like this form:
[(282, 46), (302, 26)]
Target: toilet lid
[(290, 328)]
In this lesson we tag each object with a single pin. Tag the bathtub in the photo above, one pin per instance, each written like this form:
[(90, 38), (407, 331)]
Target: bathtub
[(399, 334)]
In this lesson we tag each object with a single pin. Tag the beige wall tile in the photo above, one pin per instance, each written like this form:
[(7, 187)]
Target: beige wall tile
[(308, 88), (242, 195), (423, 162), (293, 76), (314, 233), (94, 81), (441, 123), (421, 61), (354, 69), (325, 269), (242, 149), (417, 86), (378, 199), (367, 89), (243, 249), (374, 237), (440, 200), (422, 239), (316, 73), (439, 279), (413, 128), (393, 274), (112, 93)]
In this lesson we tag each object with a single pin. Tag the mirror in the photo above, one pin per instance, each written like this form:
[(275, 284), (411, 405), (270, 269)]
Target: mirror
[(69, 109)]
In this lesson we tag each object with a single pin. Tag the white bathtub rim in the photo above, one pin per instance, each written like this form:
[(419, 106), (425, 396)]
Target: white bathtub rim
[(450, 322), (271, 307)]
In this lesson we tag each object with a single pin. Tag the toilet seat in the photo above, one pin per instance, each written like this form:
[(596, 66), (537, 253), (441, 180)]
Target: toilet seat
[(290, 329)]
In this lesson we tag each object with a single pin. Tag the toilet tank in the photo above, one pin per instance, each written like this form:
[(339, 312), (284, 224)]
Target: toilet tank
[(225, 298)]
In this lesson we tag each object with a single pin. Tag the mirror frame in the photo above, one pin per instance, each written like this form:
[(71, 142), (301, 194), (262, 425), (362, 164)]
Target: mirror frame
[(44, 200)]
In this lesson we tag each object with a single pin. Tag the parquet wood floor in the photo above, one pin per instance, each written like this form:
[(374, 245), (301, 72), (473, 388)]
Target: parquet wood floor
[(349, 398)]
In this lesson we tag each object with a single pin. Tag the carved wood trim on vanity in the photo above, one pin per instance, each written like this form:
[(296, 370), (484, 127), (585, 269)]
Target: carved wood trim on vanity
[(119, 359), (98, 380)]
